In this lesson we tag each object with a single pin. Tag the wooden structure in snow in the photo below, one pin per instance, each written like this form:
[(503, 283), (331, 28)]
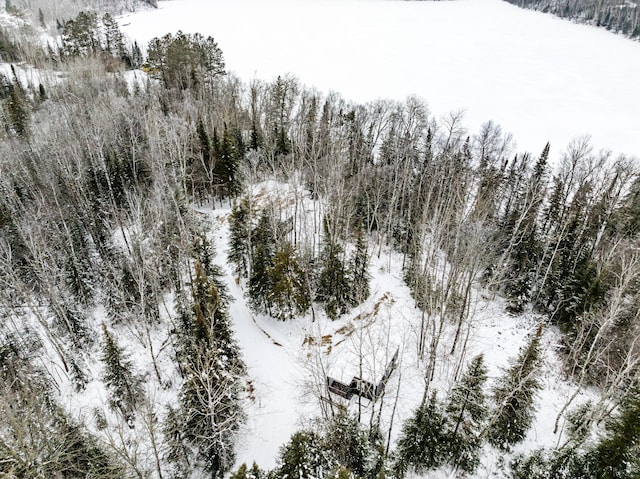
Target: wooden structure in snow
[(340, 389), (361, 387)]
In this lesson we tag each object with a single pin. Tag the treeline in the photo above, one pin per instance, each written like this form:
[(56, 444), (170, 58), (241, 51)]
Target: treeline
[(53, 15), (619, 16), (99, 244), (97, 179)]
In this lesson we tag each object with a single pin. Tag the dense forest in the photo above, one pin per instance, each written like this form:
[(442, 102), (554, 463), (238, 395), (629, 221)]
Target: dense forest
[(103, 167), (619, 16), (55, 14)]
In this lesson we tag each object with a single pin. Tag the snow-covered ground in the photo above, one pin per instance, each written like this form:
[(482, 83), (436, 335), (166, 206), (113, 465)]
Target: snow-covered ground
[(287, 359), (27, 75), (541, 78)]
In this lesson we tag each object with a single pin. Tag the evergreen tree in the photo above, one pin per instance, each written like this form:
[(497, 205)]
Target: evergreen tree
[(519, 229), (18, 110), (227, 164), (255, 138), (70, 320), (210, 411), (135, 56), (113, 40), (177, 448), (205, 144), (263, 242), (78, 266), (240, 238), (303, 457), (80, 37), (348, 443), (184, 60), (38, 439), (466, 412), (514, 395), (422, 444), (118, 375), (244, 473), (332, 287), (281, 91), (359, 271), (617, 455), (564, 463), (9, 49), (239, 150), (575, 282), (42, 94), (613, 456), (288, 294), (5, 86)]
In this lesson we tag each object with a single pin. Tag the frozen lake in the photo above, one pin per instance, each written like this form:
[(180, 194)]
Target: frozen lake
[(541, 78)]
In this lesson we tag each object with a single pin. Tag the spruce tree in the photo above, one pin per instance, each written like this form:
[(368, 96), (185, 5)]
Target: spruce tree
[(228, 165), (178, 450), (136, 58), (303, 457), (18, 110), (240, 238), (245, 473), (118, 375), (5, 84), (264, 243), (241, 473), (239, 152), (255, 138), (519, 233), (514, 396), (422, 444), (617, 455), (210, 412), (217, 167), (71, 321), (204, 254), (205, 144), (332, 287), (358, 267), (466, 412), (348, 443), (288, 294)]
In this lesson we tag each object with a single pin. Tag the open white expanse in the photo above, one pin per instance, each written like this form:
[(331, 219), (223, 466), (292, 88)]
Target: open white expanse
[(539, 77)]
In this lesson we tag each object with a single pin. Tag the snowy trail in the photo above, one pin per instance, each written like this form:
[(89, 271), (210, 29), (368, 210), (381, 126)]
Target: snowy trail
[(269, 350)]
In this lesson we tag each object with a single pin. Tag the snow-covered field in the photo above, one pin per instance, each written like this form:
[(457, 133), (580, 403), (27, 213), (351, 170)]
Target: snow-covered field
[(541, 78)]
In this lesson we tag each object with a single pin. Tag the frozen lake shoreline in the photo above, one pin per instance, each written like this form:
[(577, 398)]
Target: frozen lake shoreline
[(539, 77)]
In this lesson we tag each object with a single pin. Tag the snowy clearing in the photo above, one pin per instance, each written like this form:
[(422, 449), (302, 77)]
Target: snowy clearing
[(287, 361)]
